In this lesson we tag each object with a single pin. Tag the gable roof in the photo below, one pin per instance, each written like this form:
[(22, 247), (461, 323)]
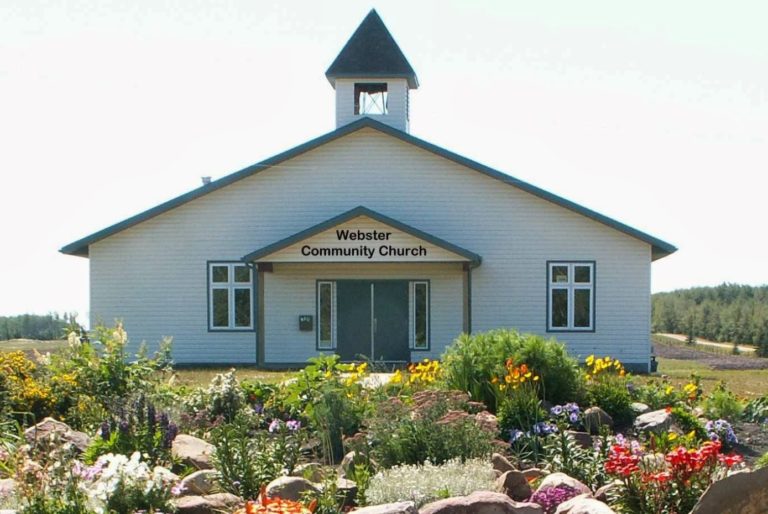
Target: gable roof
[(80, 247), (371, 52), (357, 212)]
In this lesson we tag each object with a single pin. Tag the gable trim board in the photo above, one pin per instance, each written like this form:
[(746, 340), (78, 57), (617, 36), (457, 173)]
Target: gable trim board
[(267, 254), (659, 248)]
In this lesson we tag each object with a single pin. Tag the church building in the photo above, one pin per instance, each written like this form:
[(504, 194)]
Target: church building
[(370, 243)]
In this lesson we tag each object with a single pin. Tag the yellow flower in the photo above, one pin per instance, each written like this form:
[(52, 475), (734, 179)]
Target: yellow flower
[(397, 378), (590, 360)]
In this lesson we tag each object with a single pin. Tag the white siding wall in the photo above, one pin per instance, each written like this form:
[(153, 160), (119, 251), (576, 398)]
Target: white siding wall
[(397, 102), (290, 291), (156, 271)]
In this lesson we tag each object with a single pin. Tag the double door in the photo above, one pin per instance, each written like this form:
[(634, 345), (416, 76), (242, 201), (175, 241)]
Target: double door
[(372, 320)]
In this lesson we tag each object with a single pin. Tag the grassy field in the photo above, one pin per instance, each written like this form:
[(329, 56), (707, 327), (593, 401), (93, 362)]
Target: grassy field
[(748, 383), (27, 345), (201, 376)]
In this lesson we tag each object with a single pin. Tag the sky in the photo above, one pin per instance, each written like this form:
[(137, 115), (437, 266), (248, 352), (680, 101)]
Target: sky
[(654, 113)]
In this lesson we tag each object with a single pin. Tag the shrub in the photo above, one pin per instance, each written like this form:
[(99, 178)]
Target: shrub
[(248, 458), (424, 483), (688, 422), (222, 399), (607, 387), (436, 427), (722, 404), (471, 362), (756, 410)]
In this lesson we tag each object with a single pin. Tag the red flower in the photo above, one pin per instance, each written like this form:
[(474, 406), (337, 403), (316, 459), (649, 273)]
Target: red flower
[(730, 460)]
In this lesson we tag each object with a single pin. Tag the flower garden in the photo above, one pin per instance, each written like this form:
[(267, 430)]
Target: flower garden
[(504, 421)]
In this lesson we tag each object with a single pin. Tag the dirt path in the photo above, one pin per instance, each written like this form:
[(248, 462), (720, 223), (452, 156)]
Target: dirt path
[(727, 346), (714, 361)]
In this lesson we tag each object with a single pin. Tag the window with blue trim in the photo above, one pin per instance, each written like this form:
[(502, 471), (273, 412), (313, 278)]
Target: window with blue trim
[(230, 296)]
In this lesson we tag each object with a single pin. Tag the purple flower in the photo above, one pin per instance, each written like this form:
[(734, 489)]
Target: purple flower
[(551, 497), (515, 435), (556, 410), (573, 417), (274, 426), (544, 428), (105, 431), (572, 407), (178, 489), (293, 425), (258, 408)]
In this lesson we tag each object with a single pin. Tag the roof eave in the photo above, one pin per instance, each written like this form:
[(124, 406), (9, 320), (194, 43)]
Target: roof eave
[(413, 80)]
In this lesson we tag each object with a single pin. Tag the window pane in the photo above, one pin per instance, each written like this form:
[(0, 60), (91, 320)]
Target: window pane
[(242, 274), (220, 308), (559, 308), (420, 315), (582, 274), (581, 308), (325, 314), (220, 273), (559, 274), (242, 307)]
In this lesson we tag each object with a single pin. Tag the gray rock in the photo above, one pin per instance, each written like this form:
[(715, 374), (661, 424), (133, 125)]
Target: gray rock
[(583, 504), (346, 489), (389, 508), (594, 418), (514, 484), (583, 439), (210, 504), (312, 471), (658, 421), (345, 467), (740, 493), (290, 488), (481, 502), (7, 487), (639, 408), (556, 479), (200, 482), (193, 451), (604, 492), (49, 426), (500, 463)]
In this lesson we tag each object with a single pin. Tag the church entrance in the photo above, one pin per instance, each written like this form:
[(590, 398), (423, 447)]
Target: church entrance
[(372, 320)]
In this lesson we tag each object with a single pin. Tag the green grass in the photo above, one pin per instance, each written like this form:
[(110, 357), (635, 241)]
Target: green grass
[(748, 383), (201, 376), (27, 345)]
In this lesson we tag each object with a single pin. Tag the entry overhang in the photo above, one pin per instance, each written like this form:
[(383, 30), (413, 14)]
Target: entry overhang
[(362, 235)]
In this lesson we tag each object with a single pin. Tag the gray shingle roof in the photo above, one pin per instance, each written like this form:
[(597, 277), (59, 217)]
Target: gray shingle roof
[(371, 52)]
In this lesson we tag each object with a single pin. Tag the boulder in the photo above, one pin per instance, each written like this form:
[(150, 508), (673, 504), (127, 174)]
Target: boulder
[(583, 439), (290, 488), (556, 479), (658, 421), (200, 482), (193, 451), (500, 463), (740, 493), (347, 463), (594, 418), (347, 490), (49, 426), (312, 471), (604, 492), (389, 508), (210, 504), (583, 504), (639, 408), (534, 473), (514, 484), (7, 487), (481, 502)]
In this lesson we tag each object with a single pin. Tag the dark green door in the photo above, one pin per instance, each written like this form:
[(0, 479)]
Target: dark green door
[(390, 320), (372, 315), (353, 319)]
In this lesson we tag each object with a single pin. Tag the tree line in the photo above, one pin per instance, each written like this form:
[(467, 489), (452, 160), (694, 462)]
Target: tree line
[(730, 313), (36, 326)]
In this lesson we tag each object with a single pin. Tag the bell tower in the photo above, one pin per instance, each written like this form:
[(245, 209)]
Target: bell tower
[(372, 77)]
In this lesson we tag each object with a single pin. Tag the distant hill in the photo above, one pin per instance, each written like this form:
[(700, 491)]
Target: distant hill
[(34, 326), (726, 313)]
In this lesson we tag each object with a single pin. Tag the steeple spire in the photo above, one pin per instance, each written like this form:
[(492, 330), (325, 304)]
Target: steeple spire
[(372, 77)]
